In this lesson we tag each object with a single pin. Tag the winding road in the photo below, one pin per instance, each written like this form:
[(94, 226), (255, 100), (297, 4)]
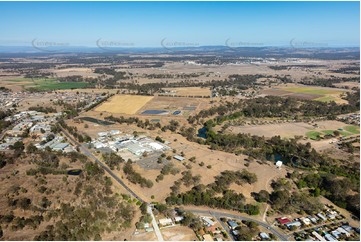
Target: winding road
[(219, 215)]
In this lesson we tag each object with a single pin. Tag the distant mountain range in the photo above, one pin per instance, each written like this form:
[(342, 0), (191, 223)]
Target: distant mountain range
[(261, 52)]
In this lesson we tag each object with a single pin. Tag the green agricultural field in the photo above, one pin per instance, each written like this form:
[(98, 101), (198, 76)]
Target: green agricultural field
[(46, 84), (352, 129), (343, 133), (314, 135), (313, 90)]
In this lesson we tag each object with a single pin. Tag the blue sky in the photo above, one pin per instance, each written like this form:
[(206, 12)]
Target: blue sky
[(146, 24)]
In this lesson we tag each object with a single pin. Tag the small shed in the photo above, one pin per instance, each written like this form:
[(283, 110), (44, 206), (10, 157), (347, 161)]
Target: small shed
[(178, 157)]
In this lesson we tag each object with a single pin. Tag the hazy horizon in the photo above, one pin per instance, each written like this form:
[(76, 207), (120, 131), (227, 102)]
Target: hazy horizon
[(180, 24)]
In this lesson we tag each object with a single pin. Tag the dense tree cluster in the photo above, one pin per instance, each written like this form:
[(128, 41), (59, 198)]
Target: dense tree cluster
[(113, 160), (209, 195), (342, 191), (4, 124), (42, 109), (135, 177), (73, 131), (277, 107), (284, 200)]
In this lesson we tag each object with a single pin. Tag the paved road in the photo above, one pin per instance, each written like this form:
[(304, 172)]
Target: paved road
[(155, 225), (88, 153), (218, 215)]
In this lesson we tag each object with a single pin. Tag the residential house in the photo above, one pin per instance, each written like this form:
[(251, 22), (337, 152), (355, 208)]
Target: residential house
[(207, 221), (283, 220), (165, 221), (294, 223), (318, 236), (330, 237), (264, 236), (232, 224), (321, 216)]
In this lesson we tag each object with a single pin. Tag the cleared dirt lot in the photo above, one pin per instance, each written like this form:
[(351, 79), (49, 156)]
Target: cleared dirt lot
[(178, 233), (127, 104), (287, 130)]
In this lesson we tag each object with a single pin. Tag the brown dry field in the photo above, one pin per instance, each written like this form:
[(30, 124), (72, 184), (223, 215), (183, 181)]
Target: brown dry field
[(15, 86), (124, 104), (217, 72), (75, 71), (42, 100), (290, 90), (286, 130), (178, 233), (170, 104), (348, 84), (190, 91)]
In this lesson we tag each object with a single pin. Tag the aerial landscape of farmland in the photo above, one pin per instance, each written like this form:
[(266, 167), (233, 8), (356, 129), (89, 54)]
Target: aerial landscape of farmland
[(180, 121)]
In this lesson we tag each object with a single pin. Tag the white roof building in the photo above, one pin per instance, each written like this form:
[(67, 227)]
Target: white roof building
[(321, 216), (318, 236), (156, 146), (208, 221), (178, 157), (305, 221), (165, 221)]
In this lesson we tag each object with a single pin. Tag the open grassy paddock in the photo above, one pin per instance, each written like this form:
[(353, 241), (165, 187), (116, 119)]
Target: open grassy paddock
[(327, 94), (345, 131)]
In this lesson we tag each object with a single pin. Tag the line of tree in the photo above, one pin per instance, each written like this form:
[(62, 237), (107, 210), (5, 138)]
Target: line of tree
[(135, 177), (278, 107)]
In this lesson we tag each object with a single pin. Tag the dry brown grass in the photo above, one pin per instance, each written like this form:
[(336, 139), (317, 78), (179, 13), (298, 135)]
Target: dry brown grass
[(178, 233), (127, 104)]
